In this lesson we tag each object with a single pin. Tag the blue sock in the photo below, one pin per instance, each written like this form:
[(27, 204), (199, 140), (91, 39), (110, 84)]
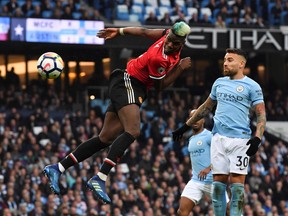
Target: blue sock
[(237, 199), (219, 198)]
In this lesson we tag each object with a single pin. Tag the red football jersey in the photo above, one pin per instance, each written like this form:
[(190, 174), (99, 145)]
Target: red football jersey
[(153, 64)]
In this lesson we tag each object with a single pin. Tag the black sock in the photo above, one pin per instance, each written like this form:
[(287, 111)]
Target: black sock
[(117, 150), (83, 151)]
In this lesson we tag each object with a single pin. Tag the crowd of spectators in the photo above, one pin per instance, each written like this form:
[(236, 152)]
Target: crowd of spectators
[(38, 126), (58, 9), (216, 13)]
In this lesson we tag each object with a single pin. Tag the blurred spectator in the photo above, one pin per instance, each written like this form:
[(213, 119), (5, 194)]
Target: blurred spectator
[(259, 23), (239, 4), (12, 5), (247, 22), (67, 14), (194, 20), (212, 5), (220, 23), (46, 5), (234, 23), (176, 10), (37, 12), (57, 13), (18, 13), (180, 18), (205, 21), (276, 12), (151, 19), (166, 20), (27, 7), (97, 16), (5, 11)]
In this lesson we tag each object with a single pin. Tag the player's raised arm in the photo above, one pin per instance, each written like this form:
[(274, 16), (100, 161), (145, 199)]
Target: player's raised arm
[(109, 33)]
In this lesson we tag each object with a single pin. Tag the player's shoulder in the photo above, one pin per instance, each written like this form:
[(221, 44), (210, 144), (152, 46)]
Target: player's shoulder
[(206, 132), (221, 79)]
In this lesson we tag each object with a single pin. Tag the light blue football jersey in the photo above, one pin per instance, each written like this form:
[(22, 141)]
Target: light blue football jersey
[(199, 150), (234, 100)]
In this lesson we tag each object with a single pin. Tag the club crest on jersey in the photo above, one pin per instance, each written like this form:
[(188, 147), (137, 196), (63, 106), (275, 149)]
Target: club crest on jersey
[(161, 70), (240, 89), (199, 142)]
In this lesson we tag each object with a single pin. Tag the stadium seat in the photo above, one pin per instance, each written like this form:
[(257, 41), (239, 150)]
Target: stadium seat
[(138, 2), (134, 18), (149, 9), (76, 15), (47, 13), (162, 10), (205, 11), (191, 11), (152, 3), (138, 11), (165, 3), (204, 3), (182, 5), (122, 12)]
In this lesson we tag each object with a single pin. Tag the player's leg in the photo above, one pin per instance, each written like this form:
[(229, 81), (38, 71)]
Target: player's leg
[(111, 128), (220, 172), (129, 116), (126, 94), (239, 162), (219, 194), (237, 194), (185, 207), (191, 195)]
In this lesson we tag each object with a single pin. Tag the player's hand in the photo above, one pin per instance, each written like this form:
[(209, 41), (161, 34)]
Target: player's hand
[(108, 33), (203, 174), (178, 133), (185, 63), (254, 143)]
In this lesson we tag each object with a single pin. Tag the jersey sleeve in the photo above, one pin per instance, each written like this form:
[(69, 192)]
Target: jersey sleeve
[(256, 94), (213, 91)]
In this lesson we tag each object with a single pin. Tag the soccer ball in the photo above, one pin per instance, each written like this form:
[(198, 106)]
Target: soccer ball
[(50, 65)]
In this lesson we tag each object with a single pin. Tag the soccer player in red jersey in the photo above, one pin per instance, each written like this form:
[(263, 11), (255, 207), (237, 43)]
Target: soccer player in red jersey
[(158, 67)]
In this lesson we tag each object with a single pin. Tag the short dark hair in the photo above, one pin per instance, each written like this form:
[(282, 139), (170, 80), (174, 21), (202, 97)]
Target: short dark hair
[(238, 52)]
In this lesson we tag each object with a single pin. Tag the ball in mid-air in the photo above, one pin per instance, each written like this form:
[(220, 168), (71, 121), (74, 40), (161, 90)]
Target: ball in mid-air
[(50, 65)]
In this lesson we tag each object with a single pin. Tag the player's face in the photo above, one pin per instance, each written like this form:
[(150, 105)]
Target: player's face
[(232, 64), (172, 44), (198, 125)]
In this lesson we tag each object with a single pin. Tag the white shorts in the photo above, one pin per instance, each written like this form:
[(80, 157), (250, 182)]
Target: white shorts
[(195, 191), (228, 155)]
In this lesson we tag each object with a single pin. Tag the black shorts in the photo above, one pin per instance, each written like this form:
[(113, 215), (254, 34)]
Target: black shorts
[(124, 90)]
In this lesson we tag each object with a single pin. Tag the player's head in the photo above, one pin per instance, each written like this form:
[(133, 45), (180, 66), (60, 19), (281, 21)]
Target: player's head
[(176, 38), (234, 61), (199, 125)]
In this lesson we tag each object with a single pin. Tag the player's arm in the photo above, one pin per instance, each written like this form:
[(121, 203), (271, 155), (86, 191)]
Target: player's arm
[(109, 33), (202, 111), (261, 119), (255, 141), (173, 74)]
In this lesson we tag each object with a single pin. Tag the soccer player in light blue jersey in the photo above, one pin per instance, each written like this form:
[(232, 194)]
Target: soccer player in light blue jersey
[(232, 143), (201, 181)]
